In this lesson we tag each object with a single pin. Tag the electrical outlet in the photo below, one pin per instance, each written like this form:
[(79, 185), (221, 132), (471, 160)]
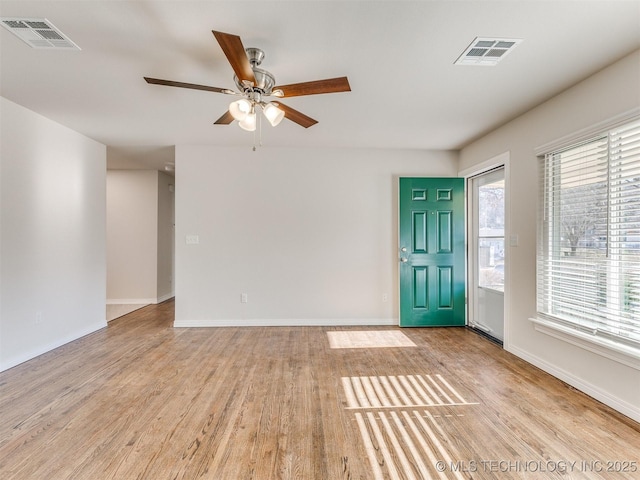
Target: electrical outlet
[(244, 298), (385, 297)]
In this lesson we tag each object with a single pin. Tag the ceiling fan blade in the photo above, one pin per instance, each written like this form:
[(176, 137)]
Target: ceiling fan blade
[(225, 119), (296, 116), (330, 85), (171, 83), (234, 50)]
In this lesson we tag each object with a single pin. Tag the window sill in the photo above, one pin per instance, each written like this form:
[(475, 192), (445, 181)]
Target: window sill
[(626, 355)]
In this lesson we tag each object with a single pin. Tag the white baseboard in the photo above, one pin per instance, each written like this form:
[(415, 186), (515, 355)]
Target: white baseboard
[(42, 349), (287, 322), (131, 301), (631, 411), (165, 297), (139, 301)]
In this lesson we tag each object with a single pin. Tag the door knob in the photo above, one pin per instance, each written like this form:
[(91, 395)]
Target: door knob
[(403, 249), (404, 259)]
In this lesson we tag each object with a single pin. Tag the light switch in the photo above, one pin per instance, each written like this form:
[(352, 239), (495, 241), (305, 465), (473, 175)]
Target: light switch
[(513, 240), (192, 239)]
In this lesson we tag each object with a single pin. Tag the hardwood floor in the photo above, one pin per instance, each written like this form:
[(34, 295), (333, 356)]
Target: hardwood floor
[(142, 400)]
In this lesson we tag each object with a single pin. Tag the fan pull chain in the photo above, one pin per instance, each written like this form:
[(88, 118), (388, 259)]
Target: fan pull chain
[(259, 133), (254, 140), (255, 133)]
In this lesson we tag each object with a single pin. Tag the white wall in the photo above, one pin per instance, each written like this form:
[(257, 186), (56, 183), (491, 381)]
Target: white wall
[(607, 94), (139, 230), (166, 220), (52, 212), (132, 245), (309, 234)]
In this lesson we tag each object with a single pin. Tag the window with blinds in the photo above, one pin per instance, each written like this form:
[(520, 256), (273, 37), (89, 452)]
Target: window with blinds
[(589, 238)]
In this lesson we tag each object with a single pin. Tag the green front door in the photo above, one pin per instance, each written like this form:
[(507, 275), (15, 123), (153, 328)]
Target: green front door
[(432, 256)]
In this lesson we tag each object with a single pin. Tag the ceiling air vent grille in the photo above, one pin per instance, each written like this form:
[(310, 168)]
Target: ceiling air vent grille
[(38, 33), (487, 51)]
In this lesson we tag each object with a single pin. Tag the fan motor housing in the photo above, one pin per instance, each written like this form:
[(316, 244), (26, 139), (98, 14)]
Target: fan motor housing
[(255, 56), (265, 81)]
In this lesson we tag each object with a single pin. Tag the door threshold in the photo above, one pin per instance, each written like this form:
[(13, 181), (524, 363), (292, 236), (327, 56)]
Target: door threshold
[(486, 335)]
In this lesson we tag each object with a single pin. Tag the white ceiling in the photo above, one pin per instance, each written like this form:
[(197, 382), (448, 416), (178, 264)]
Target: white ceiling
[(398, 55)]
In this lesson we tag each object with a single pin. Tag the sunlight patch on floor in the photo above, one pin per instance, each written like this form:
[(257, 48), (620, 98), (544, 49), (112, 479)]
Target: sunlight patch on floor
[(402, 439), (407, 445), (369, 339), (400, 391)]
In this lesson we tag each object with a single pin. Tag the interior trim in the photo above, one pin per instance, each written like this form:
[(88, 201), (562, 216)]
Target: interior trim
[(588, 132), (599, 394), (614, 351), (285, 322)]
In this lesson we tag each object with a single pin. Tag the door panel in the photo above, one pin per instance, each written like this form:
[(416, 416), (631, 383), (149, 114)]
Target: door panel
[(420, 287), (432, 277), (445, 231), (445, 287), (420, 240)]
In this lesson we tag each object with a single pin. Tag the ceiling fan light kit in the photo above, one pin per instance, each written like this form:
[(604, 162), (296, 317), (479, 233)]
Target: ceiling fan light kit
[(273, 114), (248, 123), (254, 84), (240, 109), (244, 108)]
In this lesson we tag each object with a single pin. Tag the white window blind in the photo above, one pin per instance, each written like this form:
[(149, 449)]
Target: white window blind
[(589, 237)]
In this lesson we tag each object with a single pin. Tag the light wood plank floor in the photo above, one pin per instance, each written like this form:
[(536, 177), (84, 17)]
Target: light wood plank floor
[(142, 400)]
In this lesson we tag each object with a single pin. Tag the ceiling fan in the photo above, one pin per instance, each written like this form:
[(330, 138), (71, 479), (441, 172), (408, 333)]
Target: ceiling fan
[(255, 84)]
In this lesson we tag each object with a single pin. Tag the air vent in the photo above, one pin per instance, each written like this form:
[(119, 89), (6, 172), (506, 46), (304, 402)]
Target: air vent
[(38, 33), (487, 51)]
